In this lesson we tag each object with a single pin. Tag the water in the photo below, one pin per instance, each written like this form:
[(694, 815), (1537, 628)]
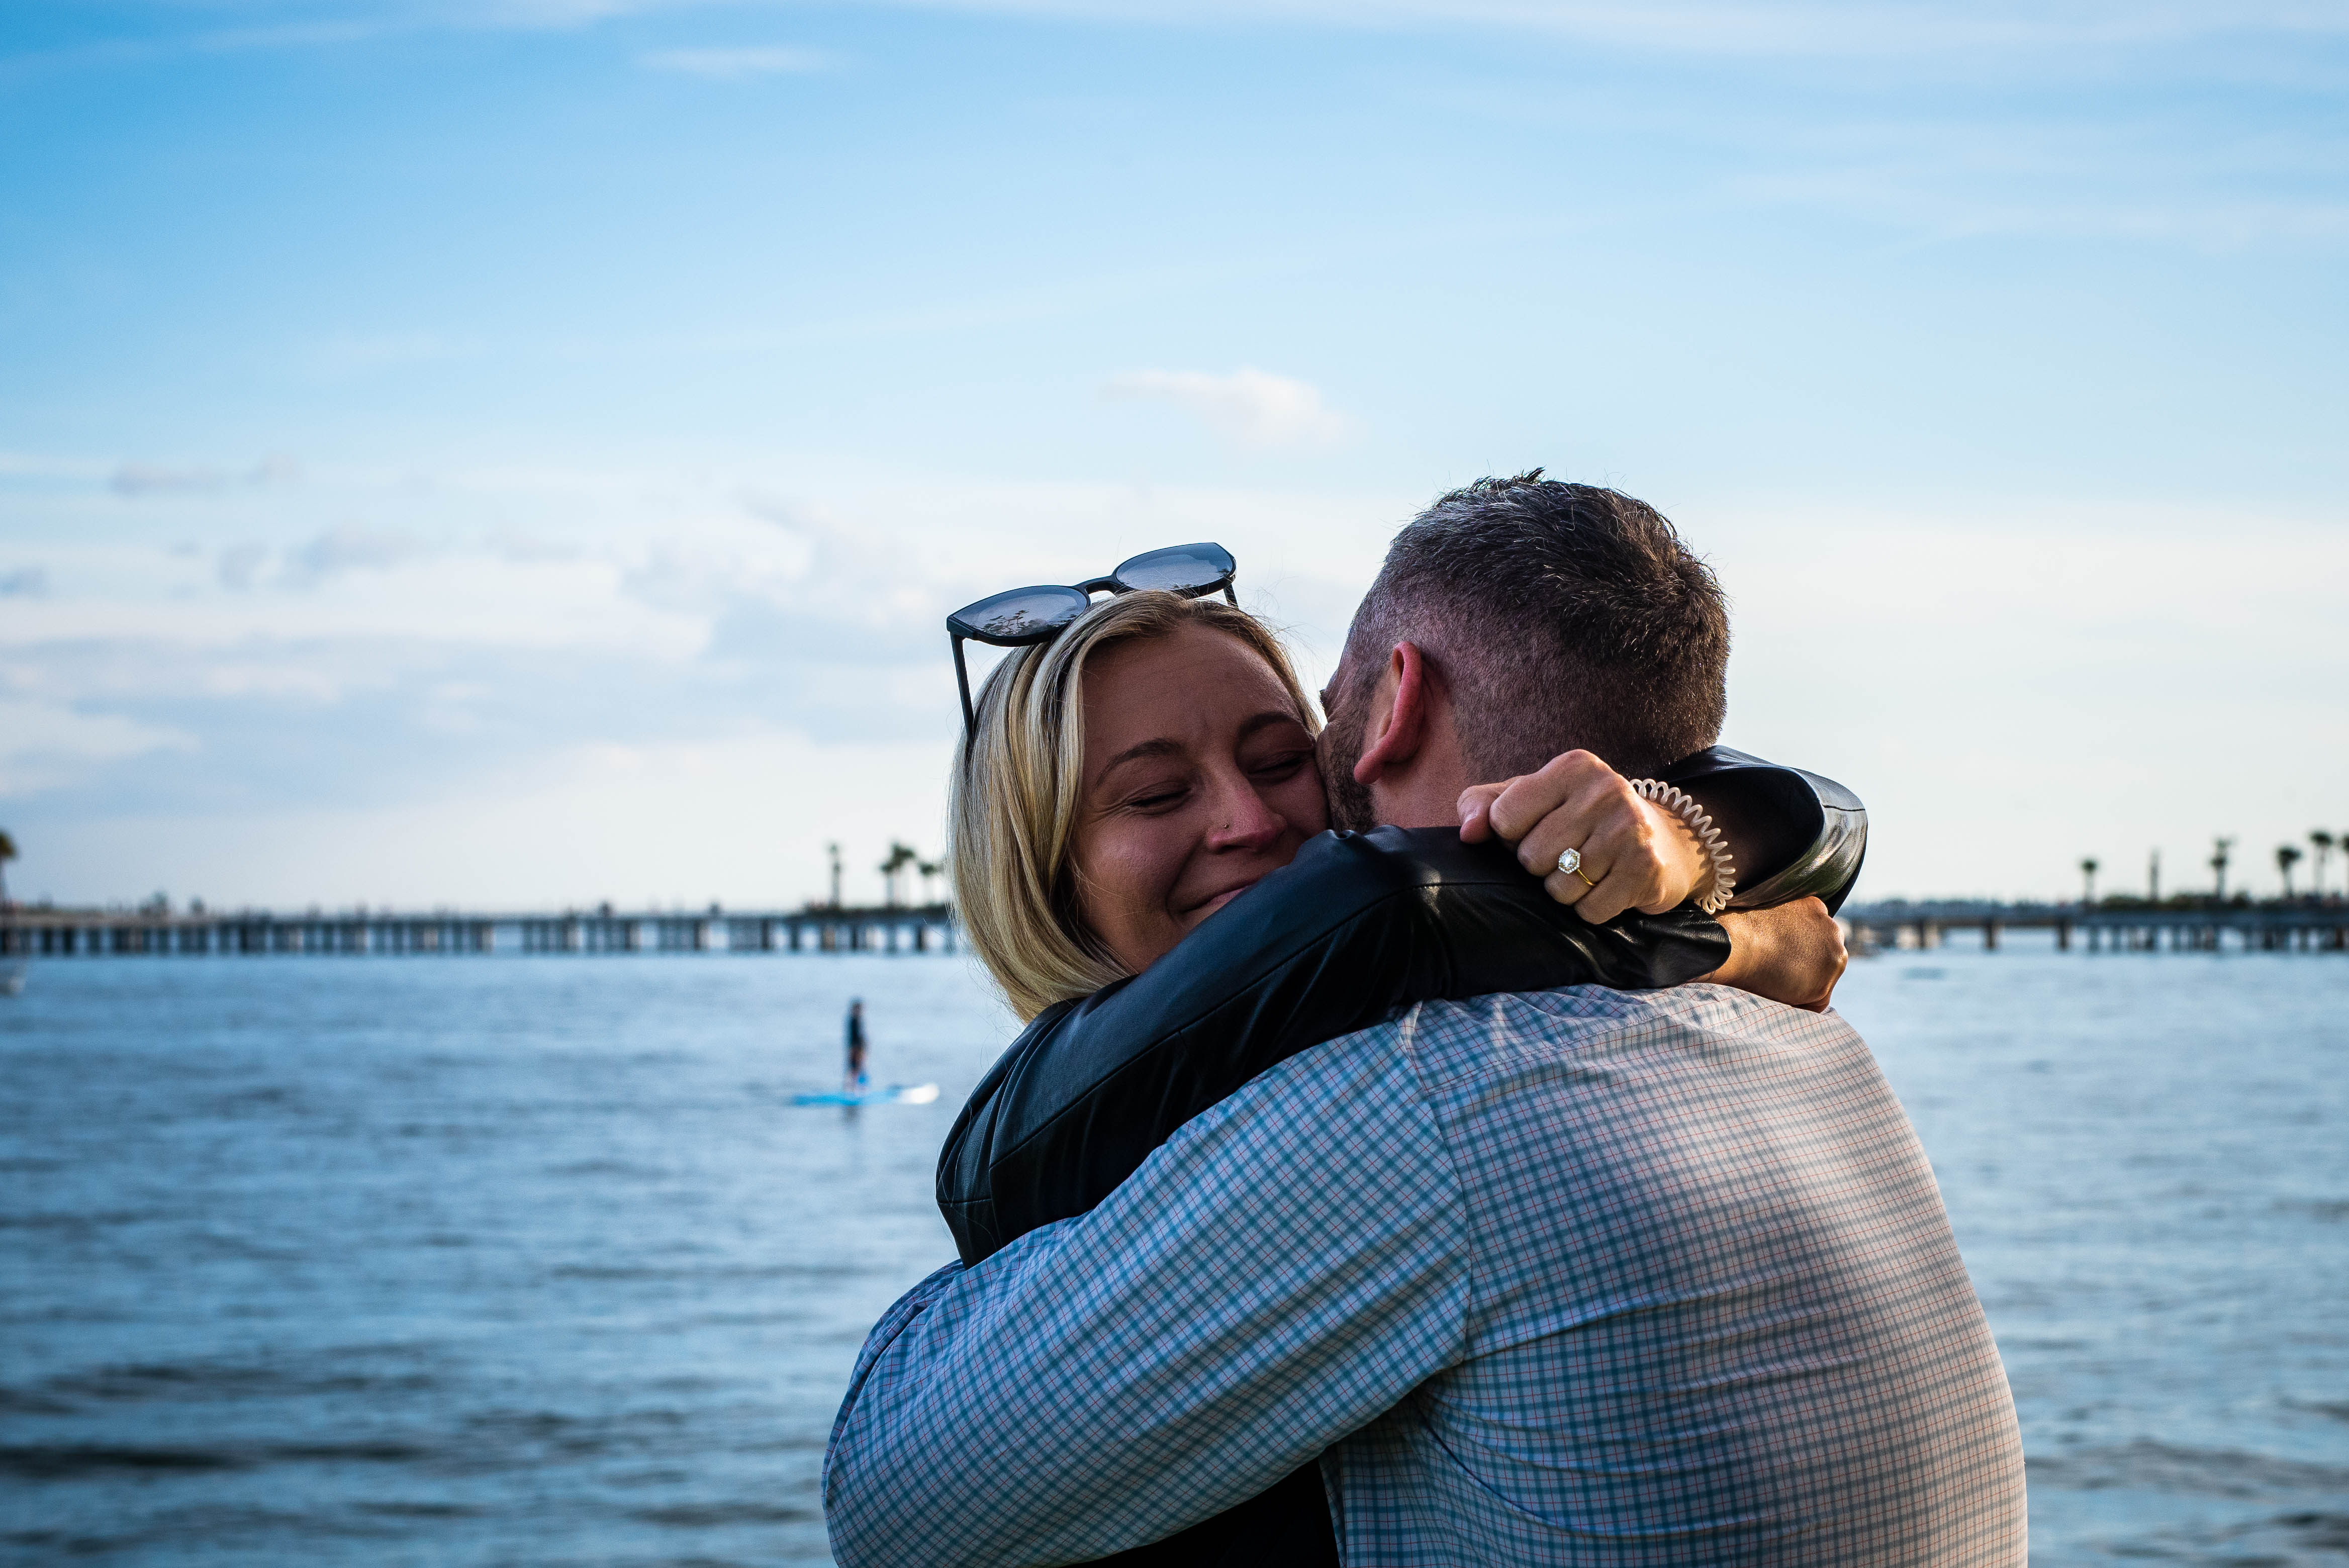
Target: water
[(453, 1261), (531, 1262), (2143, 1157)]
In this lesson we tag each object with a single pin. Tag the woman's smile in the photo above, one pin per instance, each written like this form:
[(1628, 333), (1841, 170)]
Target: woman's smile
[(1218, 901)]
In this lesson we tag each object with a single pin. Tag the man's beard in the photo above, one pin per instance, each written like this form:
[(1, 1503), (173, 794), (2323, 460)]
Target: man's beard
[(1341, 748)]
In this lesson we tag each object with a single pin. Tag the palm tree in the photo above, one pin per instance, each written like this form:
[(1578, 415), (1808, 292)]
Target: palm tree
[(2324, 842), (2087, 883), (2287, 856), (2219, 864), (900, 857), (7, 852), (929, 871)]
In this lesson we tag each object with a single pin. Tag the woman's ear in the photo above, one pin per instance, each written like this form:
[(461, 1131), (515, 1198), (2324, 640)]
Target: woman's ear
[(1398, 717)]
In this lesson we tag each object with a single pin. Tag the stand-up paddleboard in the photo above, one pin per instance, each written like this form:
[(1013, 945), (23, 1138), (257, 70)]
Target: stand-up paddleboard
[(895, 1095)]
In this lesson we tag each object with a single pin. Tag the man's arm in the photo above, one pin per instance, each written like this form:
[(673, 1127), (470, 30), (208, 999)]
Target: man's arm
[(1280, 1273)]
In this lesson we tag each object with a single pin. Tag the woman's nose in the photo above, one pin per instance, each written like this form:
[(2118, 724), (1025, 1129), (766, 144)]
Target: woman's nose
[(1244, 819)]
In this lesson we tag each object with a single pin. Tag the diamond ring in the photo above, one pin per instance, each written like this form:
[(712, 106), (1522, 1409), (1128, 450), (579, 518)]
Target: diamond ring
[(1570, 863)]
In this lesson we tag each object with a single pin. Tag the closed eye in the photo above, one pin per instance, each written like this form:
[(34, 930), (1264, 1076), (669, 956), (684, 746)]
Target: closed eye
[(1156, 799)]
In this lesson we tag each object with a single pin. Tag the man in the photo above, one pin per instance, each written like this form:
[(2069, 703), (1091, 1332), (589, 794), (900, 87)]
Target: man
[(1575, 1276)]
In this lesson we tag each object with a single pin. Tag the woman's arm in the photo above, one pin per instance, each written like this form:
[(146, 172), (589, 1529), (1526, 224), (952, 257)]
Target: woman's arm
[(1635, 855)]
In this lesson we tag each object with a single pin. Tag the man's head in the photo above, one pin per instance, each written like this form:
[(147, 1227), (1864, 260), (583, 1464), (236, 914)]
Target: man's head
[(1515, 619)]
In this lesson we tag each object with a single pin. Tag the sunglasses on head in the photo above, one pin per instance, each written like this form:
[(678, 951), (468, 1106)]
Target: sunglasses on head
[(1018, 618)]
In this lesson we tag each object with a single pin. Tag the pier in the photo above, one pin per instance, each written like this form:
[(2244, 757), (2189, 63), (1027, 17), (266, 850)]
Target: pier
[(36, 932), (2304, 926), (143, 933)]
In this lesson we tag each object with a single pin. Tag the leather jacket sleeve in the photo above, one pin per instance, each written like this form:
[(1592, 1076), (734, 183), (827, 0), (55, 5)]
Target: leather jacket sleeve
[(1358, 925)]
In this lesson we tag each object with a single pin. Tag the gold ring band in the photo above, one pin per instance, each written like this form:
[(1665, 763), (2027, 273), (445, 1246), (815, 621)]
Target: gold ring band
[(1586, 881)]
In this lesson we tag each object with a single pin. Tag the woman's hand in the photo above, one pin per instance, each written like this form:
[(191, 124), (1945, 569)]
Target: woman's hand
[(1635, 853), (1792, 954)]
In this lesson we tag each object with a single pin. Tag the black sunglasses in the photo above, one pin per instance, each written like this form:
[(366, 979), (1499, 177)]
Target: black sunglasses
[(1016, 617)]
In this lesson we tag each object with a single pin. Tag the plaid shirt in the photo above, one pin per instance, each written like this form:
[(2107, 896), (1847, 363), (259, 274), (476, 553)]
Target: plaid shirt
[(1572, 1277)]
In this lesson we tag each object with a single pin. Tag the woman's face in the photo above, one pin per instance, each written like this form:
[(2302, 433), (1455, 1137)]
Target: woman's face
[(1199, 779)]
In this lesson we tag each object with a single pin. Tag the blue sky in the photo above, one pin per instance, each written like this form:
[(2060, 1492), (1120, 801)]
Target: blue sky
[(508, 453)]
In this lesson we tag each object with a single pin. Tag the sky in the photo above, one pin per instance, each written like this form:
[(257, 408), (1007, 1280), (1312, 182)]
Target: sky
[(517, 454)]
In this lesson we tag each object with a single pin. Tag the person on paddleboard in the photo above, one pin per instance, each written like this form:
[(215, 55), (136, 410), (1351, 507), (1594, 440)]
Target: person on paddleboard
[(853, 1081)]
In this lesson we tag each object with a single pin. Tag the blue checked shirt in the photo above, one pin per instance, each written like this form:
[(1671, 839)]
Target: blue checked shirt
[(1573, 1277)]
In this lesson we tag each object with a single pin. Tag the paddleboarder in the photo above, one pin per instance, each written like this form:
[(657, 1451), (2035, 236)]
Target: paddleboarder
[(854, 1082)]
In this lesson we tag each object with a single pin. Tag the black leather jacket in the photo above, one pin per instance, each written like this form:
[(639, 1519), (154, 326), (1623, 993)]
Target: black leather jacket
[(1355, 927)]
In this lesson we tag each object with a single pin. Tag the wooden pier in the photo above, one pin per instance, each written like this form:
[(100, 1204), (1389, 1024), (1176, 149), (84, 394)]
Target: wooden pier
[(2303, 927), (86, 933), (34, 932)]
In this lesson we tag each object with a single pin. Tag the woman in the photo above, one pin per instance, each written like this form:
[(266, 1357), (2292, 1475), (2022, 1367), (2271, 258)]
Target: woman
[(1124, 786)]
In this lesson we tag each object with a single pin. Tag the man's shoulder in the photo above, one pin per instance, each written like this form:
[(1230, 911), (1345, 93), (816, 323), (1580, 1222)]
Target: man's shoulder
[(1484, 1032)]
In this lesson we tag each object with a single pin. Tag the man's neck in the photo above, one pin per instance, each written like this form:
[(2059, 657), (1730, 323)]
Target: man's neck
[(1425, 792)]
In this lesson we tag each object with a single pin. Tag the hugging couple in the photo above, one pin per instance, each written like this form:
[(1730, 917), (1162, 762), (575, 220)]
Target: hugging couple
[(1477, 1189)]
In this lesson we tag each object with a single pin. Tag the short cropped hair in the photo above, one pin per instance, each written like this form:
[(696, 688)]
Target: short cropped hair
[(1558, 616), (1019, 782)]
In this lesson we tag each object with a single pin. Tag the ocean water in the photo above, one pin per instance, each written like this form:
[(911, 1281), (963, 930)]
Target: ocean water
[(508, 1260)]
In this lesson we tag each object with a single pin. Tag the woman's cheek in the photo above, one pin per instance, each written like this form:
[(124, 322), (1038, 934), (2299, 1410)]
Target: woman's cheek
[(1303, 803), (1140, 863)]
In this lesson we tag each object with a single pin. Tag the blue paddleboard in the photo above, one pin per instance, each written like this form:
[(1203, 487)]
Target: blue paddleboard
[(895, 1095)]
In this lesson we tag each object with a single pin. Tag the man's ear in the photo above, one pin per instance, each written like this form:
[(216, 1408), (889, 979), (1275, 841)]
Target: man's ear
[(1396, 728)]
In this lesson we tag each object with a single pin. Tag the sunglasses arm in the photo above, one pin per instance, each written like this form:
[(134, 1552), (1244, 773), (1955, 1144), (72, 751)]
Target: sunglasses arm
[(962, 681)]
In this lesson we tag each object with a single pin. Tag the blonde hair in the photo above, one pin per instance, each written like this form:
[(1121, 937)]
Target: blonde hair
[(1018, 782)]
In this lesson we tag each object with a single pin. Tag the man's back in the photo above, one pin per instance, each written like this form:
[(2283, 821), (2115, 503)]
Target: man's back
[(1573, 1277), (1714, 1311)]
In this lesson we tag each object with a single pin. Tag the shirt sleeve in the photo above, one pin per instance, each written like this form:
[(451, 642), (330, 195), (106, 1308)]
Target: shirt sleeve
[(1283, 1270)]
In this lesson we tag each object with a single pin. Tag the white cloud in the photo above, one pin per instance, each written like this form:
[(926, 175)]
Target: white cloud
[(740, 64), (2011, 694), (43, 745), (1253, 408), (151, 478), (239, 564), (348, 547), (760, 645), (142, 479), (743, 819)]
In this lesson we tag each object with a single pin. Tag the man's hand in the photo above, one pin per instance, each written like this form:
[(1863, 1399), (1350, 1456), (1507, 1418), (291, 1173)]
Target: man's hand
[(1793, 953), (1637, 855)]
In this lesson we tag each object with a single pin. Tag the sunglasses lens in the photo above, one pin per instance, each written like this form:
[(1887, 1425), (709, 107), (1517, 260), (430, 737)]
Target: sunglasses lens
[(1019, 615), (1178, 567)]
